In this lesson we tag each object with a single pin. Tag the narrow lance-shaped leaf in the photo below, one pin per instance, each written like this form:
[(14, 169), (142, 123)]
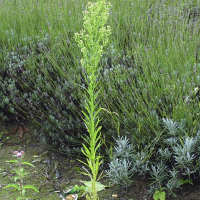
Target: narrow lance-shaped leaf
[(13, 186), (12, 161), (27, 163), (31, 187)]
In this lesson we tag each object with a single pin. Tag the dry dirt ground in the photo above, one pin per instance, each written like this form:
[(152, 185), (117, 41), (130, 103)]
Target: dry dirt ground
[(55, 172)]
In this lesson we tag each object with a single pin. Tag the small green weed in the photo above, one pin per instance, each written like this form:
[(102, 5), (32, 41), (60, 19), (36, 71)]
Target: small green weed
[(3, 138)]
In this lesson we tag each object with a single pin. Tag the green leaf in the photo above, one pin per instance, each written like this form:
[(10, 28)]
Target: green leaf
[(27, 163), (78, 169), (16, 178), (83, 162), (24, 174), (182, 181), (74, 190), (23, 192), (12, 161), (31, 187), (190, 181), (86, 151), (16, 186), (19, 198), (159, 195), (86, 116), (99, 186)]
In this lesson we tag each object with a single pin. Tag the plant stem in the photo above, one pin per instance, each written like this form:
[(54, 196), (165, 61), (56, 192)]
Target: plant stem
[(20, 176)]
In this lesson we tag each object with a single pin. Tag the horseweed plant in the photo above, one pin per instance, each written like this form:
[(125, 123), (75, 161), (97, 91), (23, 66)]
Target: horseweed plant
[(20, 175), (92, 40)]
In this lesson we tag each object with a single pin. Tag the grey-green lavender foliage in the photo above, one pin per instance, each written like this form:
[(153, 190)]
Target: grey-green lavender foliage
[(173, 164), (120, 172), (126, 162), (29, 94)]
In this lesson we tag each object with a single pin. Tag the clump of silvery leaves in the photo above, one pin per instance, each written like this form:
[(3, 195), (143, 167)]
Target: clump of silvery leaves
[(126, 162), (173, 162)]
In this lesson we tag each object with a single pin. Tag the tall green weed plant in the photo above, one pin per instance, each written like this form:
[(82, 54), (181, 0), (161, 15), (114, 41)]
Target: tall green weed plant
[(92, 39)]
